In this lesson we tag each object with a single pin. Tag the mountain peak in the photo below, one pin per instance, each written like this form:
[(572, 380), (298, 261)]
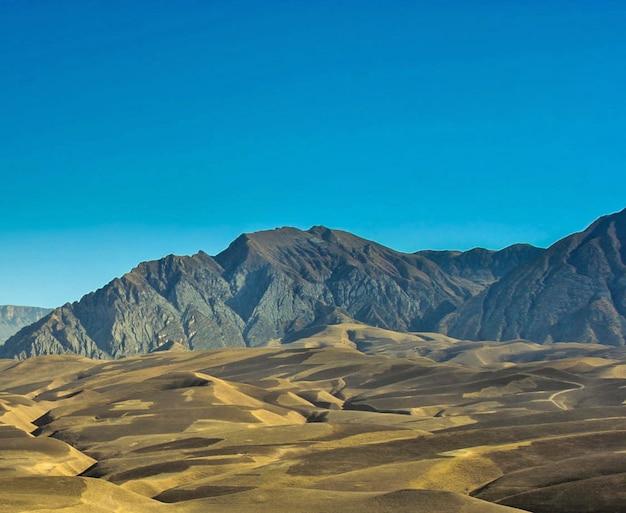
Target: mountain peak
[(263, 286), (573, 291), (270, 284)]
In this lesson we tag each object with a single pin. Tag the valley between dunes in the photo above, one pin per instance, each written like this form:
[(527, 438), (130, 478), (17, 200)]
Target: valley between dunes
[(344, 417)]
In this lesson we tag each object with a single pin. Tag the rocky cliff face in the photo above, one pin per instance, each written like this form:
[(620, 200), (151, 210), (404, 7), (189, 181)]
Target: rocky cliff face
[(270, 284), (176, 299), (575, 290), (13, 318), (482, 267), (263, 286)]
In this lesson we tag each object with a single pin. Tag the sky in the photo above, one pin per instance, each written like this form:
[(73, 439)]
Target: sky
[(133, 130)]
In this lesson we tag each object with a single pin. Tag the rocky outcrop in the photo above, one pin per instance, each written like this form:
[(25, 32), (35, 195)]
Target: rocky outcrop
[(270, 284), (574, 291), (263, 286), (176, 299), (13, 318), (482, 267)]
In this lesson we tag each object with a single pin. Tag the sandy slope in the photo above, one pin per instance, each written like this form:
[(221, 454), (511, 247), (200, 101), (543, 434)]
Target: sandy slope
[(318, 425)]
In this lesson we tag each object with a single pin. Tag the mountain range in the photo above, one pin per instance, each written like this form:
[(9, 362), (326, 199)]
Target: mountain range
[(575, 290), (13, 318), (268, 286)]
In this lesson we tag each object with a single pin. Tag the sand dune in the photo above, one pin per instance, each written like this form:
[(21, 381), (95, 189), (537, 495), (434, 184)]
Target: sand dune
[(316, 425)]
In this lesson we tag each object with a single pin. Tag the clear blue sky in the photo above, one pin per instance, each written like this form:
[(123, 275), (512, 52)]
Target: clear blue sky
[(131, 130)]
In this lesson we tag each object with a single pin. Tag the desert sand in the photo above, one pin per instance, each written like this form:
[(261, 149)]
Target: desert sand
[(345, 417)]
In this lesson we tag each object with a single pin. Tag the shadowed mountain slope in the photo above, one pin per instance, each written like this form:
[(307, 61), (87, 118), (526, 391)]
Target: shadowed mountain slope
[(272, 284), (480, 266), (575, 290), (263, 286), (13, 318)]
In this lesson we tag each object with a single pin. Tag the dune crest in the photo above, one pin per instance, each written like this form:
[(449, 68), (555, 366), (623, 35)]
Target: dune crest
[(349, 415)]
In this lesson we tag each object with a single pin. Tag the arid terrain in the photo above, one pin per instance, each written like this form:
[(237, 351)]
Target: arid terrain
[(299, 371), (312, 257), (345, 417)]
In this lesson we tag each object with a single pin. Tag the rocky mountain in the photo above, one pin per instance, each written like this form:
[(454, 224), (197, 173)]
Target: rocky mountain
[(482, 267), (575, 290), (269, 285), (264, 286), (13, 318)]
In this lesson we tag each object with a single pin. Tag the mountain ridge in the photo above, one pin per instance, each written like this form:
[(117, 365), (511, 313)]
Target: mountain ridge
[(575, 290), (262, 287), (267, 285)]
